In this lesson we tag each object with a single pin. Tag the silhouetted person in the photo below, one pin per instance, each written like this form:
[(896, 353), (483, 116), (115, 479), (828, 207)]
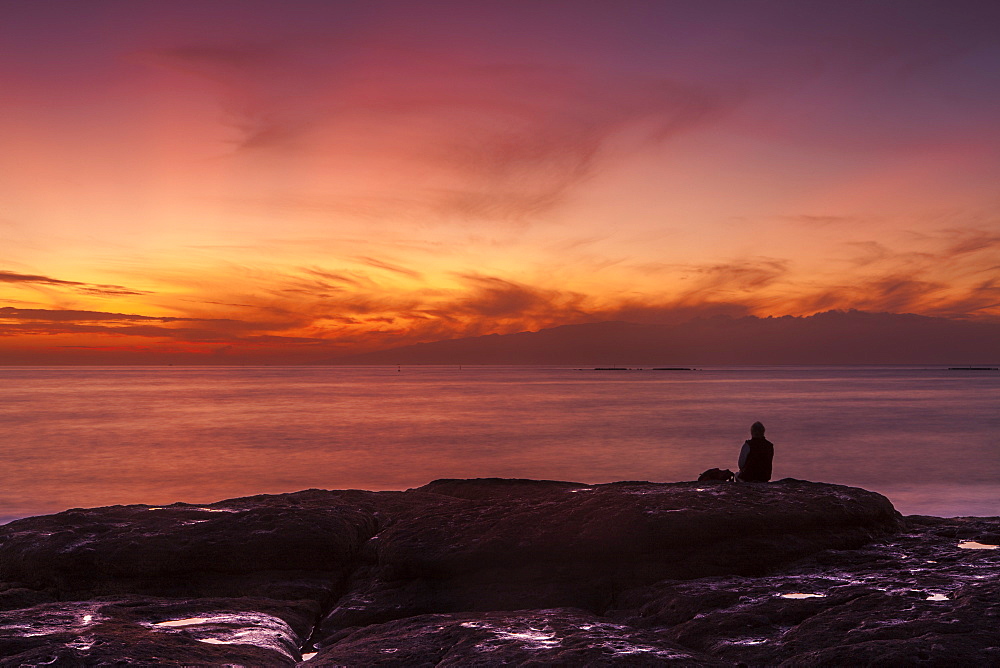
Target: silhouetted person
[(756, 456)]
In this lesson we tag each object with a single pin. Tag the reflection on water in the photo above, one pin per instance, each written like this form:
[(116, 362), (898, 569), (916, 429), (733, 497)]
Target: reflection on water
[(800, 595), (76, 437)]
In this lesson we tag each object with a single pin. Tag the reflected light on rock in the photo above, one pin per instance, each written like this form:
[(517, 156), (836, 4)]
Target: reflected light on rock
[(973, 545), (190, 621)]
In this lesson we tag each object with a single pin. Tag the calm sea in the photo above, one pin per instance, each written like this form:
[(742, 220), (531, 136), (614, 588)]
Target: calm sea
[(928, 438)]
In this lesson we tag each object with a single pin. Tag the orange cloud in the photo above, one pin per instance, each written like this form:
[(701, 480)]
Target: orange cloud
[(278, 193)]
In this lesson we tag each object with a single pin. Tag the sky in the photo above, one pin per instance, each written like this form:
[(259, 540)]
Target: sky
[(289, 181)]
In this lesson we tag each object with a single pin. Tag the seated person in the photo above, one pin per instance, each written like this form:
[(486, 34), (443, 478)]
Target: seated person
[(756, 456)]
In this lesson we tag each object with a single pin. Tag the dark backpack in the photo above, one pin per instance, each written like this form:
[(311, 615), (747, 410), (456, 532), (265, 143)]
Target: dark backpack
[(724, 475)]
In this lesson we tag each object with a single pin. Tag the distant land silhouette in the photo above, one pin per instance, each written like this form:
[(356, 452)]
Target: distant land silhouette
[(833, 337)]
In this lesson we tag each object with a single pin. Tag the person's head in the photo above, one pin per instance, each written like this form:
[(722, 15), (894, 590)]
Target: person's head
[(757, 429)]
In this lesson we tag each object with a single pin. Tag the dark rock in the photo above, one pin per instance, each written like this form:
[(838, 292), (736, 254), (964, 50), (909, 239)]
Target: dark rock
[(565, 545), (14, 596), (219, 549), (915, 599), (630, 573), (117, 633), (145, 629), (492, 489)]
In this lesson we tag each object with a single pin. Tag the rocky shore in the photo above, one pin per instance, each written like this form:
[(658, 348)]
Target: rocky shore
[(493, 572)]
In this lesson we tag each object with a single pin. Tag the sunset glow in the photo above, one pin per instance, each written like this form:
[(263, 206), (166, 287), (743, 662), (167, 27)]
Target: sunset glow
[(240, 182)]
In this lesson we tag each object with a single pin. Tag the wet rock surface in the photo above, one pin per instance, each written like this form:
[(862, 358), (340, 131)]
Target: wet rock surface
[(505, 572)]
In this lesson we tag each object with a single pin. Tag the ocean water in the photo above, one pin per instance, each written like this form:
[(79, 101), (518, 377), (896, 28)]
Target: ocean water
[(928, 438)]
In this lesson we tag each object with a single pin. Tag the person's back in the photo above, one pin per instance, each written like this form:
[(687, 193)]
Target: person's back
[(756, 456)]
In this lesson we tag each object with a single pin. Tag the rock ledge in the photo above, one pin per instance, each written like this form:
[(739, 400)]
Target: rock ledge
[(503, 572)]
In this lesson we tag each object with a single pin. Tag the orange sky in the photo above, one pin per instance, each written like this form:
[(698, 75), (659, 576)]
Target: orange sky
[(290, 181)]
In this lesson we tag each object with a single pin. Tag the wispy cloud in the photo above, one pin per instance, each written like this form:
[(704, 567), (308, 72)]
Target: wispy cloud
[(84, 288), (458, 139), (952, 273), (68, 315), (12, 277), (391, 267), (742, 275), (968, 240), (330, 276), (823, 221), (48, 322)]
